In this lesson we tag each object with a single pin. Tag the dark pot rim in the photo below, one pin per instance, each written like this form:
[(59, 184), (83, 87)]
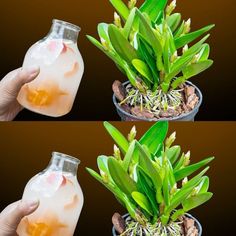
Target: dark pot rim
[(197, 224), (198, 92)]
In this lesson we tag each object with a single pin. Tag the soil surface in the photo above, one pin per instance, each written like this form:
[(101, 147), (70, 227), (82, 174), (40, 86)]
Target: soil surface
[(189, 101)]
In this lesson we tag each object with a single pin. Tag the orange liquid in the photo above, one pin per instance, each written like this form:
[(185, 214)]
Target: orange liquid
[(44, 95), (47, 227)]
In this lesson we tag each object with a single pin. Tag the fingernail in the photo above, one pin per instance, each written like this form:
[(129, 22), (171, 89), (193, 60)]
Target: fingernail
[(33, 70), (32, 203)]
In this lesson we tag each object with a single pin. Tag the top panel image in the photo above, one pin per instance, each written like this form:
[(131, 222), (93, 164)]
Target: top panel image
[(136, 60)]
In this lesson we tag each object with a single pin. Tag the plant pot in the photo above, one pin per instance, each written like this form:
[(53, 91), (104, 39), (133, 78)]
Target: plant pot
[(197, 224), (125, 116)]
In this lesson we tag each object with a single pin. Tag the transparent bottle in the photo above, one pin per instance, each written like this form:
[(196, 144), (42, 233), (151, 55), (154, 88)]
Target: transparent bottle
[(53, 92), (61, 199)]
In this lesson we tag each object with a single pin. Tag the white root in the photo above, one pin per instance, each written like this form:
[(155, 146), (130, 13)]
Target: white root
[(134, 228), (153, 101)]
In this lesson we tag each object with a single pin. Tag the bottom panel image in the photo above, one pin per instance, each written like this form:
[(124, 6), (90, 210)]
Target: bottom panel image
[(117, 178)]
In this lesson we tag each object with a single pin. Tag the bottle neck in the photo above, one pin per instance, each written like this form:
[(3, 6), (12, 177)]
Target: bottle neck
[(64, 30), (64, 163)]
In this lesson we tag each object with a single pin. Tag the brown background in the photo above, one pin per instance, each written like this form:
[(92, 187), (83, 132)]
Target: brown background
[(25, 22), (26, 149)]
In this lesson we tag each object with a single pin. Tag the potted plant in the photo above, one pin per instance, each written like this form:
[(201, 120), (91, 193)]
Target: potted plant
[(151, 179), (154, 48)]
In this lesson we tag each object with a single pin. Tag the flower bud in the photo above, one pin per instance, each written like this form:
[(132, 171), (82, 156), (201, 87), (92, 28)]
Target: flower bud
[(195, 58), (105, 44), (132, 4), (170, 139), (132, 134), (185, 48), (132, 35), (187, 159), (117, 20), (170, 8), (117, 153), (187, 26), (185, 181), (195, 191), (173, 190), (174, 57), (105, 177)]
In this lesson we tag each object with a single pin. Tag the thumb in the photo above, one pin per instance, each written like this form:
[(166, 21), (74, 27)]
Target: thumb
[(23, 209), (22, 77)]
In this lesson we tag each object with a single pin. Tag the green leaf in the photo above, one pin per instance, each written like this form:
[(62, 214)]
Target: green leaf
[(166, 189), (177, 67), (205, 52), (159, 151), (178, 199), (95, 175), (171, 41), (143, 69), (102, 163), (155, 136), (184, 192), (175, 216), (121, 177), (147, 54), (111, 53), (195, 180), (179, 164), (146, 186), (131, 75), (196, 47), (166, 53), (186, 171), (179, 31), (180, 63), (142, 201), (103, 31), (173, 153), (153, 8), (128, 156), (147, 33), (171, 175), (196, 68), (121, 8), (129, 23), (148, 167), (117, 136), (173, 21), (121, 44), (116, 191), (204, 185), (196, 201), (177, 82), (188, 38)]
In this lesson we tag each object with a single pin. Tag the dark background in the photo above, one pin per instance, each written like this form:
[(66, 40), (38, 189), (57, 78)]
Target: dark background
[(25, 22), (26, 149)]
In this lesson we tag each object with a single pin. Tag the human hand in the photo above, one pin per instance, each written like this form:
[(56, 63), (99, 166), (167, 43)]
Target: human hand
[(12, 215), (10, 86)]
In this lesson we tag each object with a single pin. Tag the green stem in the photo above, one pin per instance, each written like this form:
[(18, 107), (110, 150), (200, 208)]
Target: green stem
[(165, 87), (177, 214), (121, 8), (159, 196), (165, 219)]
